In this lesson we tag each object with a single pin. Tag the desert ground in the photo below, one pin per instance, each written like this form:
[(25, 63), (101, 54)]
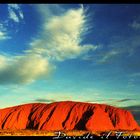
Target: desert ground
[(67, 133)]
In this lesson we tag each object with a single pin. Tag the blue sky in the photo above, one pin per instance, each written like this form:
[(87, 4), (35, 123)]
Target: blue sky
[(78, 52)]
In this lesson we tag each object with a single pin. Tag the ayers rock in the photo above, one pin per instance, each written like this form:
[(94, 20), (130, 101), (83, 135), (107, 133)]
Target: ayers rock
[(67, 115)]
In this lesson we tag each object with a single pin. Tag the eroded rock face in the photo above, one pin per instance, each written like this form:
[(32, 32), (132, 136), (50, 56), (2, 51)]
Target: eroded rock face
[(67, 115)]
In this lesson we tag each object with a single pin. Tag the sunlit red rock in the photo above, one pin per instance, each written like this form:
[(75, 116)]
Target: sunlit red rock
[(67, 115)]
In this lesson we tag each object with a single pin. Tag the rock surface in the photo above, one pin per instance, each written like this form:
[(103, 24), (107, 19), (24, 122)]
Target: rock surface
[(67, 115)]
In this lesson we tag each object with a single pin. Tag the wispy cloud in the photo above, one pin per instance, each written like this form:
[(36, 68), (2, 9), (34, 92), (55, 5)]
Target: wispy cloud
[(92, 101), (15, 12), (125, 100), (3, 32), (111, 100), (4, 36), (109, 55), (16, 15), (61, 36), (122, 46), (44, 100)]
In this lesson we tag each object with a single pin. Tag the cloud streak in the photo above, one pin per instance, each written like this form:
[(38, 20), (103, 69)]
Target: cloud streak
[(112, 101), (124, 46), (109, 55), (44, 100), (125, 100), (15, 15), (15, 12), (3, 33)]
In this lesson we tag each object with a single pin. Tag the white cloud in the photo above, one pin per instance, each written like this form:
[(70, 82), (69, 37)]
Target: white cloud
[(62, 35), (13, 16), (14, 6), (21, 14), (109, 55), (23, 69), (15, 13), (3, 32), (4, 36)]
